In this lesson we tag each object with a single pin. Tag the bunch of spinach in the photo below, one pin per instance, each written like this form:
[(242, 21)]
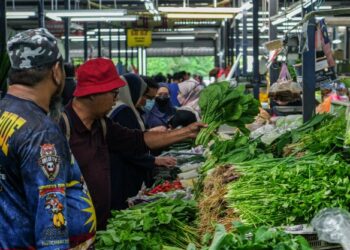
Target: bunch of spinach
[(244, 237), (289, 190), (165, 222), (222, 104)]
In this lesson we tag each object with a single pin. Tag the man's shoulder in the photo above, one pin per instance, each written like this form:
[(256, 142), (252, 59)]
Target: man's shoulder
[(30, 116)]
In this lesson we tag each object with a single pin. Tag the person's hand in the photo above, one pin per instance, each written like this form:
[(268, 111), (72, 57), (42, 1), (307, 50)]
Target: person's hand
[(194, 128), (165, 161), (159, 129)]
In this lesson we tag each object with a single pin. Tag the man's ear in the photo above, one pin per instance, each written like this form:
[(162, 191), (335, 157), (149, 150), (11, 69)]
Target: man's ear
[(58, 73)]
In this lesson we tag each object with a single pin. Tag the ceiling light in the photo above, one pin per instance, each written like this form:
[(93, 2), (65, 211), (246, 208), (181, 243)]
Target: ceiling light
[(17, 17), (195, 22), (294, 12), (104, 19), (184, 29), (123, 51), (239, 16), (325, 7), (199, 16), (87, 13), (279, 20), (199, 10), (180, 38), (264, 28), (336, 41), (19, 14)]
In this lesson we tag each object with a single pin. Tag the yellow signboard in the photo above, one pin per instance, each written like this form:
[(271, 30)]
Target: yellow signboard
[(139, 38)]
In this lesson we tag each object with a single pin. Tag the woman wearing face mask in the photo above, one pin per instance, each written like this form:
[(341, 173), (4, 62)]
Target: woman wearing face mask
[(162, 110), (129, 171)]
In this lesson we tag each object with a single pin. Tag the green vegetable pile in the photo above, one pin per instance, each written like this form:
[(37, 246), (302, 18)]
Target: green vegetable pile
[(324, 139), (154, 226), (222, 104), (249, 238), (236, 150), (291, 190), (295, 135)]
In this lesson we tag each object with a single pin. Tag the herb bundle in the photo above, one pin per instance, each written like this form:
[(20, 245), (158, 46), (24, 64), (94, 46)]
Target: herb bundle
[(291, 190)]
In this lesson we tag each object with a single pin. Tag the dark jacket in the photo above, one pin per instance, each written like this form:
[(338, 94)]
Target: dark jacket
[(128, 171)]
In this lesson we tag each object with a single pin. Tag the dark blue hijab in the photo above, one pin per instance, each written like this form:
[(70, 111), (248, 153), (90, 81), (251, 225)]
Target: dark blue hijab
[(160, 115)]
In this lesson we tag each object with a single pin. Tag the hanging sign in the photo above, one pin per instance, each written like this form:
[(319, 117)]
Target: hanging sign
[(139, 38)]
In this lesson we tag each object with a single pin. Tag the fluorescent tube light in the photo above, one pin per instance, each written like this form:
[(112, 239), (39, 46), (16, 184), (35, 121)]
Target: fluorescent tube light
[(87, 13), (239, 16), (199, 16), (199, 10), (184, 29), (17, 17), (19, 14), (124, 51), (103, 19), (336, 41), (325, 7), (180, 38), (279, 20), (294, 12)]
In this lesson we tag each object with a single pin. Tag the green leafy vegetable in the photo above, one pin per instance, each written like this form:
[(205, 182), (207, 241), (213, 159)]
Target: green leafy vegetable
[(222, 104), (162, 224)]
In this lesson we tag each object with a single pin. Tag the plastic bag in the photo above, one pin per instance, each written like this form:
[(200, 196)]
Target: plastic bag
[(285, 90), (333, 225)]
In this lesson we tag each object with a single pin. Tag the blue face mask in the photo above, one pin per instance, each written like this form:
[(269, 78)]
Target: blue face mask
[(149, 105)]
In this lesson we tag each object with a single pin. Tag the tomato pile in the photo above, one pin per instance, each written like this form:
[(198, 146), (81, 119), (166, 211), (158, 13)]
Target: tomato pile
[(166, 187)]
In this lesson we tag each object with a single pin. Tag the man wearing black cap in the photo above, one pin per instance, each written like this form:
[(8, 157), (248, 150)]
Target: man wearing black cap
[(44, 201)]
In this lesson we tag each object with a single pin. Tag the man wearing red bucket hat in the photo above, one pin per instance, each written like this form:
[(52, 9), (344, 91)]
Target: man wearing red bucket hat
[(91, 134)]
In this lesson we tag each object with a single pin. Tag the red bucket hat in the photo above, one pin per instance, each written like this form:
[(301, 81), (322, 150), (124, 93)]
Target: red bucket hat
[(97, 76)]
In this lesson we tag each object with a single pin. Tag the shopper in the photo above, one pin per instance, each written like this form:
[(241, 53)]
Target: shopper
[(44, 202), (163, 109), (174, 89), (148, 99), (189, 91), (70, 83), (132, 170), (92, 135), (183, 117)]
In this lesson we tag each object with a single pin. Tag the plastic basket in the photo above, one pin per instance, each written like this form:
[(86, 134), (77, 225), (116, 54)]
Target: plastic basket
[(274, 44), (311, 236), (317, 244)]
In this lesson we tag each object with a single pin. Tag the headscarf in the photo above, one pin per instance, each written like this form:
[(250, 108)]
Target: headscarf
[(161, 113), (189, 94), (183, 117), (130, 94)]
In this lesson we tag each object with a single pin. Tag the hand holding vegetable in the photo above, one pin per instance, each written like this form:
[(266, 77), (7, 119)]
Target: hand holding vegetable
[(165, 161), (194, 128)]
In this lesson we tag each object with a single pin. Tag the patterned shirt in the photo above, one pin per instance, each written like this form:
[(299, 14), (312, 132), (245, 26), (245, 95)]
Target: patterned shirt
[(44, 201)]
